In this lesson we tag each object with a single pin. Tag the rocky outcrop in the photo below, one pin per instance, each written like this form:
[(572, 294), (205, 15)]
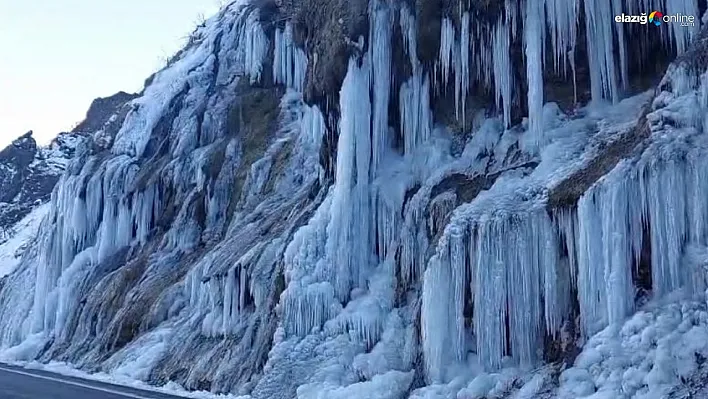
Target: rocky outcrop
[(102, 110), (28, 174), (329, 32), (16, 159)]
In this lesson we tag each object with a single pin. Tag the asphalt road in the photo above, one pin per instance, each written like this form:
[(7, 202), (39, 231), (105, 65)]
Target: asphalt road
[(19, 383)]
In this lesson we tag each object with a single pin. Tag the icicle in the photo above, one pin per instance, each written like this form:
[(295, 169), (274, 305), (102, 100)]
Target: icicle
[(617, 9), (598, 24), (698, 233), (567, 225), (414, 239), (556, 278), (490, 296), (146, 205), (440, 207), (438, 318), (516, 282), (242, 290), (591, 295), (349, 244), (462, 74), (562, 17), (447, 50), (511, 9), (415, 111), (458, 263), (408, 31), (253, 46), (230, 290), (307, 301), (388, 220), (307, 308), (279, 57), (620, 234), (491, 291), (665, 190), (289, 62), (442, 316), (611, 233), (681, 34), (313, 125), (503, 78), (380, 48), (534, 31)]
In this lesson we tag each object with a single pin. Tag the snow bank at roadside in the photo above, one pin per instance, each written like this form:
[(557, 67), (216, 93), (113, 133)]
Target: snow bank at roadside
[(170, 388)]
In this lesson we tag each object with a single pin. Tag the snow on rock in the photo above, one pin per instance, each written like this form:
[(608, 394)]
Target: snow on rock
[(193, 66), (390, 385), (654, 351), (20, 239)]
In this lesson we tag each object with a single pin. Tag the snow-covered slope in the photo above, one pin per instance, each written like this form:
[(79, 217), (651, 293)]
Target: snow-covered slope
[(408, 234), (19, 238)]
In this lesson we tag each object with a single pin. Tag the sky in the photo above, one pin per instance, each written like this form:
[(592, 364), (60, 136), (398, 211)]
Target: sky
[(56, 56)]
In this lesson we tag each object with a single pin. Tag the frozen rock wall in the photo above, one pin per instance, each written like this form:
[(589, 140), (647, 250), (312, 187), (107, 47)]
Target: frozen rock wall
[(224, 234)]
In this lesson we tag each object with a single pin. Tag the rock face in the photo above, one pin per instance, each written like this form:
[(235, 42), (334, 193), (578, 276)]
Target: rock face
[(101, 111), (331, 30), (16, 160), (28, 174), (325, 199)]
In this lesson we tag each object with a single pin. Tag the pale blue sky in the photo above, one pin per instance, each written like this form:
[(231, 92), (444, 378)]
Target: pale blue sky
[(56, 56)]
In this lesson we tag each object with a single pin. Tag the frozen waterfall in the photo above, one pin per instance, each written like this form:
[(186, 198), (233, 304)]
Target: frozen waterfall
[(209, 244)]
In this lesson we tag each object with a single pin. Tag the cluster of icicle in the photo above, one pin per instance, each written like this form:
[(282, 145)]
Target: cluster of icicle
[(519, 269), (335, 254), (102, 205), (224, 298), (108, 202), (477, 54), (518, 265)]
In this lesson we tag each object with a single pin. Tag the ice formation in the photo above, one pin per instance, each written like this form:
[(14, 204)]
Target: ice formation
[(535, 34), (198, 250), (289, 62)]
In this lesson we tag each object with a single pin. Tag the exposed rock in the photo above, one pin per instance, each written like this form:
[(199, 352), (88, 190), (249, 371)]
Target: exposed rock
[(327, 31), (28, 174), (429, 16), (101, 111), (567, 192), (254, 118), (16, 159)]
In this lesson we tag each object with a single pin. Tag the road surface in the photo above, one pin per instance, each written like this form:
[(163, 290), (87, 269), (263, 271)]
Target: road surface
[(19, 383)]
